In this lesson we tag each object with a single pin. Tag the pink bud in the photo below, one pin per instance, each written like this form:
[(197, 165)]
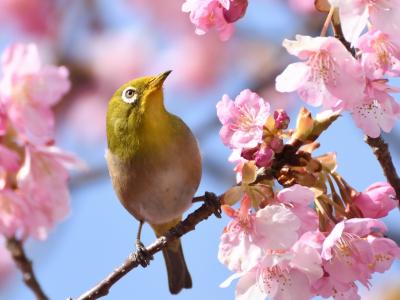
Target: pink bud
[(264, 157), (377, 200), (281, 119), (248, 153), (237, 9), (276, 144)]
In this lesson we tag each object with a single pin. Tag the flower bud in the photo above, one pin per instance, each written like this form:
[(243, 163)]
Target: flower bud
[(264, 157), (377, 200), (281, 119), (276, 144), (237, 9), (248, 153), (304, 125)]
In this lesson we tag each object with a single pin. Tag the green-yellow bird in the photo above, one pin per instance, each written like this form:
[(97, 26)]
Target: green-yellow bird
[(155, 165)]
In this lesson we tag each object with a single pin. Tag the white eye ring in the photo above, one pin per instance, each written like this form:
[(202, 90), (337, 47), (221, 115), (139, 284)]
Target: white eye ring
[(129, 95)]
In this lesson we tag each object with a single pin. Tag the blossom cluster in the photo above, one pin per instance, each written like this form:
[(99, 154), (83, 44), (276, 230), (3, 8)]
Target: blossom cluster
[(221, 14), (33, 171), (301, 240), (244, 132), (331, 77)]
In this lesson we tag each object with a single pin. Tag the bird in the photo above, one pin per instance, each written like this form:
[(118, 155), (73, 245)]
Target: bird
[(155, 167)]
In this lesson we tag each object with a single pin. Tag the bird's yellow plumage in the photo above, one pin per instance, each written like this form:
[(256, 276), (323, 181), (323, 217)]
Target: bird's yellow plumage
[(154, 163)]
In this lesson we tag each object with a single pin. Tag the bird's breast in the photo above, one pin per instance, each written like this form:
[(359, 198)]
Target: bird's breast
[(157, 186)]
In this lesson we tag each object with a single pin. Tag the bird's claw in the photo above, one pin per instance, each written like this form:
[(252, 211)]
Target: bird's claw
[(212, 200), (143, 256)]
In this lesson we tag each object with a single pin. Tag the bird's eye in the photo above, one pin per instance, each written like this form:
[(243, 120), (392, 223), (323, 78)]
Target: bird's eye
[(129, 95)]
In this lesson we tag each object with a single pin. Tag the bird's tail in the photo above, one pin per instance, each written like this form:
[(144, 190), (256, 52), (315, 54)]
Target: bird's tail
[(178, 273)]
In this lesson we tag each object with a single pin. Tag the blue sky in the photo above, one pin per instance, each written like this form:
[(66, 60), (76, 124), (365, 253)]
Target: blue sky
[(99, 234)]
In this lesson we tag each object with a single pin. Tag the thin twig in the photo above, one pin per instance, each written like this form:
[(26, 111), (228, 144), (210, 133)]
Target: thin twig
[(25, 265), (187, 225), (381, 151)]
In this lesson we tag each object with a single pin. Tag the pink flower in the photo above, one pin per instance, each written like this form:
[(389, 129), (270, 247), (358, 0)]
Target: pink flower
[(329, 76), (43, 180), (28, 90), (298, 198), (326, 288), (237, 248), (349, 255), (282, 222), (384, 252), (205, 14), (377, 200), (242, 120), (377, 110), (383, 14), (282, 274), (380, 52), (249, 234)]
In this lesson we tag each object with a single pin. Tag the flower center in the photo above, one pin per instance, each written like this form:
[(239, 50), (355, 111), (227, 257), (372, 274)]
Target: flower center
[(273, 278), (323, 67), (368, 110), (385, 50), (246, 120), (344, 248)]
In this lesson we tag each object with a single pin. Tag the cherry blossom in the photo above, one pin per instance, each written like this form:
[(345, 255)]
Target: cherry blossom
[(349, 255), (237, 248), (282, 274), (299, 198), (249, 234), (329, 75), (205, 14), (43, 181), (380, 52), (28, 90), (377, 110), (377, 200), (242, 120)]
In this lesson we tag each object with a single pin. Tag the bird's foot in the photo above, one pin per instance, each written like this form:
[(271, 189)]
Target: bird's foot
[(212, 201), (143, 255)]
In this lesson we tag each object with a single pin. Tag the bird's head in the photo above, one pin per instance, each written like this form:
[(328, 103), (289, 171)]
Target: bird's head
[(137, 108), (139, 96)]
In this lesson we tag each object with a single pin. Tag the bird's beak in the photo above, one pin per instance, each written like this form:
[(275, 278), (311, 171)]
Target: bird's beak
[(159, 79)]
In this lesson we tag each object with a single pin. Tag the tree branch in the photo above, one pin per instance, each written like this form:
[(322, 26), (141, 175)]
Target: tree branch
[(187, 225), (25, 265), (381, 151)]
